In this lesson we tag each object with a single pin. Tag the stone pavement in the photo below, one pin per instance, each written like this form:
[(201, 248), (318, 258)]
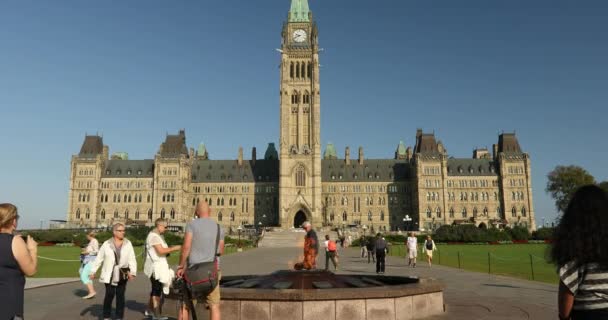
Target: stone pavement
[(468, 295), (32, 283)]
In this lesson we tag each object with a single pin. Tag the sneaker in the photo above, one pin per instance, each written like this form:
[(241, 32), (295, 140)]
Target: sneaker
[(148, 314), (89, 296)]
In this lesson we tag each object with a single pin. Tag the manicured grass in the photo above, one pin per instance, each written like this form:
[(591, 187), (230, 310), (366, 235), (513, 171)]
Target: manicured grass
[(515, 260), (61, 269)]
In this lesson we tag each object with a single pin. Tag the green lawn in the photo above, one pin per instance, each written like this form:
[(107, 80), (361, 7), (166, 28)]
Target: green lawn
[(61, 269), (516, 260)]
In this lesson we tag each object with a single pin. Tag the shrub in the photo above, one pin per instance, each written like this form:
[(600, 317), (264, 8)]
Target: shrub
[(543, 234), (518, 233)]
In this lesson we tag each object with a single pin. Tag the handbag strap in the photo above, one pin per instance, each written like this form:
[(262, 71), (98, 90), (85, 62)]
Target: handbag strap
[(217, 240)]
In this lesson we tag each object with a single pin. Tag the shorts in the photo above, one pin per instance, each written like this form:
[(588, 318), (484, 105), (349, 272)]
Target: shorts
[(157, 287), (213, 298), (413, 254), (429, 253)]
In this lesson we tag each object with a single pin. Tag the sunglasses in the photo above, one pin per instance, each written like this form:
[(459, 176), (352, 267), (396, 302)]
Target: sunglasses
[(120, 230)]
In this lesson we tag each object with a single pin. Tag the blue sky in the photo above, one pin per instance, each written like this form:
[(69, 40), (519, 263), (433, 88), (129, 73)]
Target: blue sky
[(135, 70)]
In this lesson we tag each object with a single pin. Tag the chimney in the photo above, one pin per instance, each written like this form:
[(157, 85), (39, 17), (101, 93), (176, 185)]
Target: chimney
[(253, 157), (360, 155), (240, 159), (347, 156), (409, 153), (191, 153), (495, 150), (106, 152)]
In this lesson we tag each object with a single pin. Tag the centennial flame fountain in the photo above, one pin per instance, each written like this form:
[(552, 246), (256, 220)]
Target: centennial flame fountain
[(323, 295)]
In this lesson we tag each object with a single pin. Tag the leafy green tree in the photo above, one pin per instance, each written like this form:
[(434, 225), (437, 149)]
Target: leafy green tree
[(604, 185), (563, 181)]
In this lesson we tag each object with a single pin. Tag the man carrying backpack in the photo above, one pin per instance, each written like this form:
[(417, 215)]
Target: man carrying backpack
[(331, 252), (203, 244)]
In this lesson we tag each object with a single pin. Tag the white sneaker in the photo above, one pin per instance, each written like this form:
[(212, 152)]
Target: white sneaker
[(90, 295)]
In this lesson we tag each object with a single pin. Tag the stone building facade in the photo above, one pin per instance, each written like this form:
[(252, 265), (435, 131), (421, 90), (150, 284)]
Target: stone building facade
[(297, 182)]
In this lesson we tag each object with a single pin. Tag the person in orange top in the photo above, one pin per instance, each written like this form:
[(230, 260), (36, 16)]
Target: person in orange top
[(311, 247)]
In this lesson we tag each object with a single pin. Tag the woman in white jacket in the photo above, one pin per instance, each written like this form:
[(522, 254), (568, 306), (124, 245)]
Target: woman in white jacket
[(113, 272), (157, 268)]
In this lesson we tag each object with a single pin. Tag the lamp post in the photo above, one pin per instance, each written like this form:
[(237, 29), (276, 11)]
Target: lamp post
[(406, 222), (239, 249)]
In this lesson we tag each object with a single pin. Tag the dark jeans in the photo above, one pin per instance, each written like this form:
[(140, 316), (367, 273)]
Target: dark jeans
[(380, 257), (371, 256), (119, 292), (330, 255), (589, 314)]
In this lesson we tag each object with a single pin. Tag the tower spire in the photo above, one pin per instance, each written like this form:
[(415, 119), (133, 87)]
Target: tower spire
[(299, 11)]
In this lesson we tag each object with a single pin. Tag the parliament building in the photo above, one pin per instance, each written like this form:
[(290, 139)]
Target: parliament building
[(420, 188)]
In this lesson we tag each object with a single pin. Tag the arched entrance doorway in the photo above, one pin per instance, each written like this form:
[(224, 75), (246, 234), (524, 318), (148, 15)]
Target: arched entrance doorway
[(298, 219)]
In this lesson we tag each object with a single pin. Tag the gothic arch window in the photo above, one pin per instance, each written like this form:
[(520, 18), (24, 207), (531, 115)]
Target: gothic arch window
[(344, 216), (451, 212), (291, 70), (232, 216), (381, 215), (129, 198), (149, 214), (162, 213), (115, 214), (149, 198), (523, 211), (428, 196), (300, 177), (297, 70), (87, 215), (369, 216), (438, 211), (513, 212), (78, 214), (464, 212), (475, 212), (303, 69), (164, 198), (137, 214), (222, 201), (429, 213), (218, 201), (309, 70), (485, 211), (103, 214), (219, 216), (173, 198), (106, 200), (172, 214), (127, 214), (331, 216)]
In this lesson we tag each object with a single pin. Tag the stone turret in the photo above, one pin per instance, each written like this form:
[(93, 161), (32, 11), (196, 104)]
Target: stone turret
[(360, 155), (240, 156), (347, 156)]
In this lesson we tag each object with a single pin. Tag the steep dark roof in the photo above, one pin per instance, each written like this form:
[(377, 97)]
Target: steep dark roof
[(507, 143), (174, 145), (129, 169), (472, 167), (92, 146), (376, 170), (426, 144), (229, 171)]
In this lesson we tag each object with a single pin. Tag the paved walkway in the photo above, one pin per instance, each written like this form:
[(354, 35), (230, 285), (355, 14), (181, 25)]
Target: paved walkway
[(33, 283), (468, 295)]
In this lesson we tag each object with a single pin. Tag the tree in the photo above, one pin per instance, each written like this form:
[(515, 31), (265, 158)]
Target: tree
[(604, 185), (563, 181)]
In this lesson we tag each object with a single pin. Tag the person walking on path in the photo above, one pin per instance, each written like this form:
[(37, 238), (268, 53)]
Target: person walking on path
[(118, 266), (370, 246), (199, 247), (380, 247), (89, 254), (363, 247), (429, 246), (331, 252), (311, 246), (580, 251), (412, 249), (157, 268), (18, 258)]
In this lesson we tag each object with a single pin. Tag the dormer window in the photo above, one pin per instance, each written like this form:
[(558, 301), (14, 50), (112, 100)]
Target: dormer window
[(460, 170), (129, 172), (340, 177), (471, 170), (139, 172), (118, 172), (108, 172)]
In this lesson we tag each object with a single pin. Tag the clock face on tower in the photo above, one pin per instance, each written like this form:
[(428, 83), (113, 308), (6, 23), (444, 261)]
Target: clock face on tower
[(299, 35)]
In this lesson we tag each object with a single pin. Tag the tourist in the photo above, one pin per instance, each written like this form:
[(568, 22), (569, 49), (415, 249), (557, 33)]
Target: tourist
[(157, 268), (363, 247), (412, 249), (579, 250), (118, 266), (88, 256), (311, 246), (380, 249), (201, 245), (429, 246), (370, 247), (17, 258), (331, 252)]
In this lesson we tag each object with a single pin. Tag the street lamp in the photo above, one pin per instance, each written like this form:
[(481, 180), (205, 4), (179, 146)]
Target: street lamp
[(406, 222), (240, 228)]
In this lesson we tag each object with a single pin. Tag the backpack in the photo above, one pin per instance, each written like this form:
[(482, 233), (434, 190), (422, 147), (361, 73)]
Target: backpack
[(331, 245)]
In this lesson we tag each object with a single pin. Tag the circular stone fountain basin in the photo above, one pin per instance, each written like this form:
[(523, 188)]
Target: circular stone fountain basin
[(321, 295)]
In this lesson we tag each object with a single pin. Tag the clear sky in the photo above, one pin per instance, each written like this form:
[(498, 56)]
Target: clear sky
[(135, 70)]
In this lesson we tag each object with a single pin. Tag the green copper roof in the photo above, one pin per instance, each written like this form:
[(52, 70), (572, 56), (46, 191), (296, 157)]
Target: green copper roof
[(120, 156), (202, 150), (271, 152), (330, 152), (299, 11), (401, 149)]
